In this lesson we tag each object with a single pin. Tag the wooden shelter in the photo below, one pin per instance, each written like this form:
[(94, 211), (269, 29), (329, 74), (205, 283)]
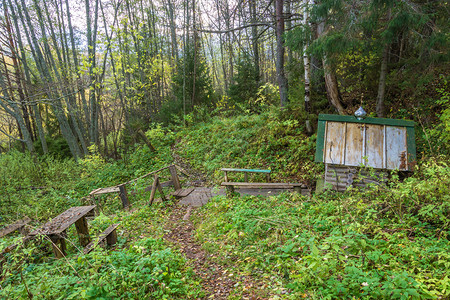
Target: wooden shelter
[(345, 144)]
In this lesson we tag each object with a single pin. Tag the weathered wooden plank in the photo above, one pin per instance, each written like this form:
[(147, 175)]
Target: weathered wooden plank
[(245, 170), (335, 143), (109, 234), (375, 144), (15, 226), (155, 184), (354, 149), (174, 177), (111, 189), (124, 196), (264, 185), (340, 177), (396, 149), (83, 231), (60, 223), (182, 192)]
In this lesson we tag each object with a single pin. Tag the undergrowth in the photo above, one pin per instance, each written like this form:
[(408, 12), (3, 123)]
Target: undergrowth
[(390, 242), (263, 141)]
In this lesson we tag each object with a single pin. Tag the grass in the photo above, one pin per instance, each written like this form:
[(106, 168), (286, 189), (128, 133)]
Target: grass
[(384, 242), (330, 246)]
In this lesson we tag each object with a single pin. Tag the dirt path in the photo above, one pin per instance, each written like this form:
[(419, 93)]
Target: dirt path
[(218, 281)]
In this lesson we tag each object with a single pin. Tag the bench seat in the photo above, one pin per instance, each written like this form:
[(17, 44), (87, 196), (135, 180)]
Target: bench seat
[(109, 234), (298, 187), (264, 185)]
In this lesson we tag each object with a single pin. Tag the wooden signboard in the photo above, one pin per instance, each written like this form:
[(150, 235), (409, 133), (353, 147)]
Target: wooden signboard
[(373, 142)]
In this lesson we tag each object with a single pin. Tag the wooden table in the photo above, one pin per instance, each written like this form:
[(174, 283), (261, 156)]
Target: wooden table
[(56, 228)]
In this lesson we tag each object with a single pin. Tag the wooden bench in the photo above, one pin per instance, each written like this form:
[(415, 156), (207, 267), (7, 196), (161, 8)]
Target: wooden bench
[(246, 172), (18, 225), (109, 234), (262, 185), (56, 229)]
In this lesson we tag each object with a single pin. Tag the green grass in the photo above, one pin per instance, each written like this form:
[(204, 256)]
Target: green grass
[(264, 141), (384, 242), (372, 244)]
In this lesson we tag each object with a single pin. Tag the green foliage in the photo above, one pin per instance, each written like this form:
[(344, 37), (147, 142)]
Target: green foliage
[(265, 141), (192, 86), (381, 243), (48, 185), (245, 82), (438, 136), (57, 147), (147, 269)]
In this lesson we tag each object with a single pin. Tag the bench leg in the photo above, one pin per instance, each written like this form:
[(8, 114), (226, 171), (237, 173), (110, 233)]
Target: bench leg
[(230, 190), (83, 231), (111, 239), (58, 250)]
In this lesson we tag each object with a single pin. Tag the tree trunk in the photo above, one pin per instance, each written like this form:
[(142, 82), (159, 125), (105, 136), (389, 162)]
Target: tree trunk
[(331, 83), (172, 25), (37, 115), (281, 76), (382, 82), (252, 4), (307, 67)]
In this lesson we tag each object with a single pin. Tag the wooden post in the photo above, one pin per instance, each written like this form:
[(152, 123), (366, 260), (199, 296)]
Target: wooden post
[(161, 191), (226, 176), (154, 185), (59, 251), (268, 177), (111, 239), (298, 189), (230, 191), (175, 179), (246, 177), (94, 202), (83, 232), (124, 196)]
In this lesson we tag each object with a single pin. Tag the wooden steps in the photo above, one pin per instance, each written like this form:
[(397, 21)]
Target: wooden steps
[(180, 193), (109, 234)]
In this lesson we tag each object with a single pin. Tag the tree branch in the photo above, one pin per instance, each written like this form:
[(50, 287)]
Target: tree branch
[(268, 24), (10, 136)]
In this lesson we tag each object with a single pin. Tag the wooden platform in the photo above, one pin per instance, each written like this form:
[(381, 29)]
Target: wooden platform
[(56, 228), (64, 220), (200, 196), (18, 225), (182, 192)]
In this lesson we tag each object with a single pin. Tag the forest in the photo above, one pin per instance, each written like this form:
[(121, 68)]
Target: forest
[(94, 93)]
